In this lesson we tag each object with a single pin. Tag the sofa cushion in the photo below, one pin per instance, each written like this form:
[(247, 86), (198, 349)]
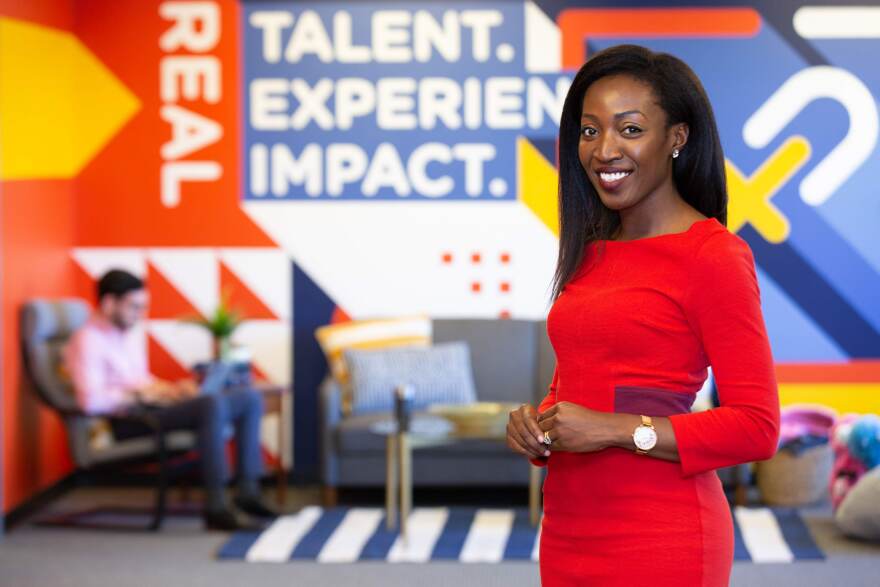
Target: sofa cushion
[(503, 356), (439, 375)]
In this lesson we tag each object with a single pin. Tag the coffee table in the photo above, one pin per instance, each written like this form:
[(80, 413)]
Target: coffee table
[(432, 430)]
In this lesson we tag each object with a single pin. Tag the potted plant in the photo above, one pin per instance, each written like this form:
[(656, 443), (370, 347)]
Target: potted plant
[(220, 324)]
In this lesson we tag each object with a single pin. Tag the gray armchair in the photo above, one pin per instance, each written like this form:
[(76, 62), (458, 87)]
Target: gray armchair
[(46, 327)]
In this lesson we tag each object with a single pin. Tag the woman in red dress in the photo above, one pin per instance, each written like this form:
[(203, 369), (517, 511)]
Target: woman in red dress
[(650, 289)]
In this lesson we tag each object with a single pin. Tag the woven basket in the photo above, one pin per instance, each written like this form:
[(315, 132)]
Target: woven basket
[(789, 480)]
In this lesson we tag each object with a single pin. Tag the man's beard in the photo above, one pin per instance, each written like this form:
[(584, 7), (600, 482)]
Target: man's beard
[(119, 323)]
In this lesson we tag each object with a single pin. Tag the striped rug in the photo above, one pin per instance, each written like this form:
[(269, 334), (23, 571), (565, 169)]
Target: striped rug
[(471, 535)]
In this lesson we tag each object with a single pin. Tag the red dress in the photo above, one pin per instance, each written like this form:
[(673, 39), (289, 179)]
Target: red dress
[(634, 332)]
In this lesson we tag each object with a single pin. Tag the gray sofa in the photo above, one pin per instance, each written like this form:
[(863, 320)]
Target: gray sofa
[(512, 361)]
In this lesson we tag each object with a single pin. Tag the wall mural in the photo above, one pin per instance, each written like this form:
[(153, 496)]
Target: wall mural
[(362, 159)]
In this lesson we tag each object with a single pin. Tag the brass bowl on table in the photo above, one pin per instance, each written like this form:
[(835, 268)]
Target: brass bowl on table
[(484, 419)]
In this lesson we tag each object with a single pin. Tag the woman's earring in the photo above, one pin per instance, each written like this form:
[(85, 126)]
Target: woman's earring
[(675, 154)]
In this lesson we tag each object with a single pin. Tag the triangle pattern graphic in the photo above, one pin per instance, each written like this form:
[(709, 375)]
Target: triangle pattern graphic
[(241, 298), (259, 374), (85, 285), (339, 316), (163, 364), (166, 302)]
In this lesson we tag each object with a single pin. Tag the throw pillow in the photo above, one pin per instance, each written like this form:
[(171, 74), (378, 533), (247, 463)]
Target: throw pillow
[(412, 331), (439, 375)]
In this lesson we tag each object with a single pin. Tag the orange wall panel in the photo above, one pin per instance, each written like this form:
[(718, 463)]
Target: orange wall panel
[(118, 193), (53, 13), (37, 233)]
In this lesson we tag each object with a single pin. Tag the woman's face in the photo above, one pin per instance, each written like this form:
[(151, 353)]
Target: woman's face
[(624, 146)]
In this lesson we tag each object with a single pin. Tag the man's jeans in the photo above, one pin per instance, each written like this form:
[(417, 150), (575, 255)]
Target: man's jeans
[(208, 415)]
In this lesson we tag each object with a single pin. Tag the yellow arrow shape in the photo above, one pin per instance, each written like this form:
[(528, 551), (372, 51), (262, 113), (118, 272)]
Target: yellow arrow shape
[(59, 105)]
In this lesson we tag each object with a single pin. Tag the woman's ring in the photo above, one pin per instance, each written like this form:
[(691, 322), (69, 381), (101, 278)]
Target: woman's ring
[(547, 440)]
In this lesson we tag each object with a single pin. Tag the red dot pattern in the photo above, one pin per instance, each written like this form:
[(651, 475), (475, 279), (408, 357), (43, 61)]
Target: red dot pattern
[(476, 287)]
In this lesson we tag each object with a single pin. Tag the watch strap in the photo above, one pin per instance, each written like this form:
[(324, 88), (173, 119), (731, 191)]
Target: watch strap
[(646, 421)]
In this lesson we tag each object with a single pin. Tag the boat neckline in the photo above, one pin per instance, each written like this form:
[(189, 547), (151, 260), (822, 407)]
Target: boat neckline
[(662, 236)]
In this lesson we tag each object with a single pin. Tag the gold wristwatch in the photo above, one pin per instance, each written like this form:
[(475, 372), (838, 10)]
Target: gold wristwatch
[(645, 436)]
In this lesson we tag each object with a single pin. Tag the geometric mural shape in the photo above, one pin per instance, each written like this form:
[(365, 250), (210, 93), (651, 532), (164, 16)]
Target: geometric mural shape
[(542, 41), (59, 105), (162, 364), (193, 272), (793, 335), (269, 342), (312, 308), (240, 298), (98, 260), (844, 398), (817, 296), (187, 344), (165, 301), (266, 273), (578, 25), (394, 271), (538, 184), (750, 196)]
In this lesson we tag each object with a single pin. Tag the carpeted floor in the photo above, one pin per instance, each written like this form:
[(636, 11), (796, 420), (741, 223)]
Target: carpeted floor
[(183, 554)]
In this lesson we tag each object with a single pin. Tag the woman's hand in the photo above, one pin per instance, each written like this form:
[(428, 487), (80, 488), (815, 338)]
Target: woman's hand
[(523, 433), (575, 428)]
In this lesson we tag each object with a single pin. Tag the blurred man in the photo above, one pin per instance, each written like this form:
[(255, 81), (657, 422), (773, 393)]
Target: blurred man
[(108, 366)]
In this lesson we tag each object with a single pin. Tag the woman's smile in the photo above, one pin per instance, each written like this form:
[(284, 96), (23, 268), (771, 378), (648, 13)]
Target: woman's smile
[(610, 180)]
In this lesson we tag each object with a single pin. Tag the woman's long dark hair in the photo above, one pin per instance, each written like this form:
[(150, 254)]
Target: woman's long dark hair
[(698, 172)]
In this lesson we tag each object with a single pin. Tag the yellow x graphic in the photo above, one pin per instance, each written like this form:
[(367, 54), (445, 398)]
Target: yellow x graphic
[(750, 196)]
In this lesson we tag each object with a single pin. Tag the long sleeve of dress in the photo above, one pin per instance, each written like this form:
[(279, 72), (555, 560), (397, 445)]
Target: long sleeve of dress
[(545, 404), (723, 307)]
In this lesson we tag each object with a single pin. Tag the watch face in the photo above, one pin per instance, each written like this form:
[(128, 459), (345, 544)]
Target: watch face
[(645, 437)]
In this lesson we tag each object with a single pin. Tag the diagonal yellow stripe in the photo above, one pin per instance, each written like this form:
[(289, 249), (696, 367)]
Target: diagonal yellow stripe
[(59, 105), (538, 184)]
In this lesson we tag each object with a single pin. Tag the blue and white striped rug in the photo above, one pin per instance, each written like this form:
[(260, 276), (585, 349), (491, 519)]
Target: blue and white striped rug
[(469, 535)]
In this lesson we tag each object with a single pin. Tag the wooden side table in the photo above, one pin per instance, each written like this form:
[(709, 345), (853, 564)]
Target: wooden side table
[(277, 399)]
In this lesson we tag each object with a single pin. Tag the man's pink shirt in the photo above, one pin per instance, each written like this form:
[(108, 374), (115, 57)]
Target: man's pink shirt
[(106, 365)]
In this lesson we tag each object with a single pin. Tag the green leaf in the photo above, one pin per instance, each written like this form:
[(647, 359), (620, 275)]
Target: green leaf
[(222, 322)]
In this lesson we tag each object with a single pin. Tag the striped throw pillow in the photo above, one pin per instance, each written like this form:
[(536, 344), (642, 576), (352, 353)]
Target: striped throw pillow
[(376, 334), (439, 375)]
